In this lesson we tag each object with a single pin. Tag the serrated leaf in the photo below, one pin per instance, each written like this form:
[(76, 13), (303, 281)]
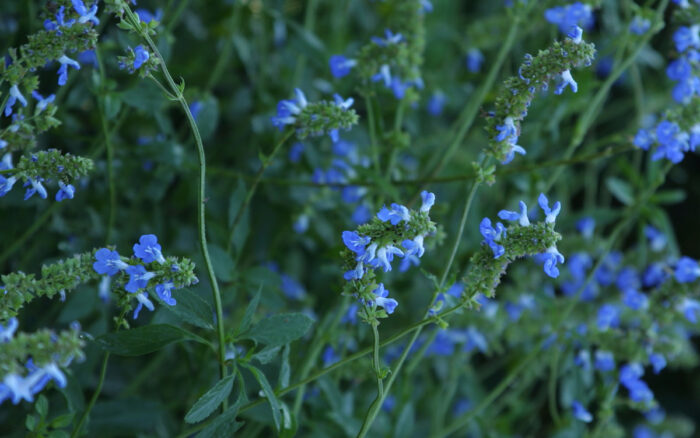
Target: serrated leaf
[(211, 400), (42, 406), (62, 420), (621, 190), (279, 329), (269, 394), (144, 340), (224, 266), (249, 312), (266, 355), (192, 309)]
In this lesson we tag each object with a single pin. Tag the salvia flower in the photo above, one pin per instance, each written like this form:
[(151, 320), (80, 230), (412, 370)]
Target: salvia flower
[(164, 292), (382, 299), (640, 25), (63, 69), (7, 331), (138, 278), (65, 191), (35, 186), (86, 15), (15, 95), (108, 262), (551, 214), (141, 55), (492, 236), (604, 361), (521, 217), (148, 249), (143, 300), (475, 59), (390, 39), (566, 79), (341, 66), (687, 270), (566, 17), (580, 413), (394, 215), (42, 102)]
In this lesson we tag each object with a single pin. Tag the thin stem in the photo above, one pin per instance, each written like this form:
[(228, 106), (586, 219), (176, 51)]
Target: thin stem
[(201, 217), (93, 399), (249, 196), (372, 135), (552, 387), (377, 363), (374, 408), (110, 151)]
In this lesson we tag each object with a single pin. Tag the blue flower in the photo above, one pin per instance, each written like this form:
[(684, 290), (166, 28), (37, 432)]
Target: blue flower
[(147, 16), (687, 37), (384, 75), (141, 55), (108, 262), (640, 25), (689, 308), (351, 315), (381, 299), (295, 152), (6, 183), (628, 279), (507, 129), (654, 275), (355, 242), (138, 278), (148, 249), (35, 186), (143, 301), (287, 110), (608, 317), (604, 361), (7, 331), (341, 66), (657, 239), (521, 217), (566, 79), (42, 102), (385, 255), (551, 214), (390, 39), (634, 299), (630, 378), (551, 258), (657, 361), (436, 103), (415, 246), (396, 214), (164, 291), (586, 226), (679, 69), (475, 59), (291, 288), (687, 270), (344, 104), (85, 14), (15, 95), (643, 139), (569, 16), (428, 200), (492, 235), (63, 69), (580, 413), (65, 191), (301, 224), (362, 214), (19, 388), (329, 356)]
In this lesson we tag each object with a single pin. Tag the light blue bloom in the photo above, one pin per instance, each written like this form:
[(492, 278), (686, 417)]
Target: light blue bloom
[(382, 300), (390, 38), (7, 331), (291, 288), (34, 186), (85, 13), (643, 139), (164, 292), (355, 242), (415, 246), (492, 236), (287, 110), (687, 270), (640, 25), (566, 79), (657, 239), (65, 191), (147, 16), (566, 17), (148, 249), (396, 214), (344, 104), (551, 258), (687, 37), (385, 255), (20, 388), (42, 102), (384, 75), (507, 129), (436, 103), (580, 413), (634, 299), (108, 262), (604, 361), (428, 200), (141, 55), (521, 217), (586, 226), (689, 308), (340, 65), (657, 361), (679, 69), (15, 95), (329, 356), (475, 60), (138, 278), (551, 214), (608, 317), (143, 301), (301, 224), (63, 69)]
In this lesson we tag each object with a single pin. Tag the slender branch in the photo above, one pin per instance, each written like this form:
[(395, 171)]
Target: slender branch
[(93, 399)]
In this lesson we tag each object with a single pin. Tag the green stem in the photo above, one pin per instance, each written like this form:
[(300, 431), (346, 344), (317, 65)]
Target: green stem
[(201, 217), (552, 386), (377, 363), (564, 315), (587, 118), (372, 135), (374, 408), (93, 399), (256, 180), (110, 151)]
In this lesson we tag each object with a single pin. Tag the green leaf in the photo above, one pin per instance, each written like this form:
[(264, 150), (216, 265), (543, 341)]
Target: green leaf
[(279, 329), (42, 406), (266, 355), (224, 266), (285, 369), (30, 422), (269, 394), (62, 420), (191, 308), (146, 339), (208, 117), (145, 96), (225, 425), (621, 190), (249, 312), (210, 400), (668, 197)]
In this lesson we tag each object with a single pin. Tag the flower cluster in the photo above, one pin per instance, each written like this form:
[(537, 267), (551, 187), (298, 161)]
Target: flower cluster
[(534, 74), (394, 60), (167, 273), (317, 118), (139, 59), (395, 231), (683, 70), (568, 16), (29, 361), (494, 237), (42, 167), (675, 135)]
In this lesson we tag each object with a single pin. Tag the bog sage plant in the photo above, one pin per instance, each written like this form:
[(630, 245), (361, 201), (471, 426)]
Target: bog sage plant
[(339, 218)]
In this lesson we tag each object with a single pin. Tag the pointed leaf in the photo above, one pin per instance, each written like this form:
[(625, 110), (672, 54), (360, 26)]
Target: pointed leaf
[(146, 339), (279, 329), (210, 400), (269, 394)]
